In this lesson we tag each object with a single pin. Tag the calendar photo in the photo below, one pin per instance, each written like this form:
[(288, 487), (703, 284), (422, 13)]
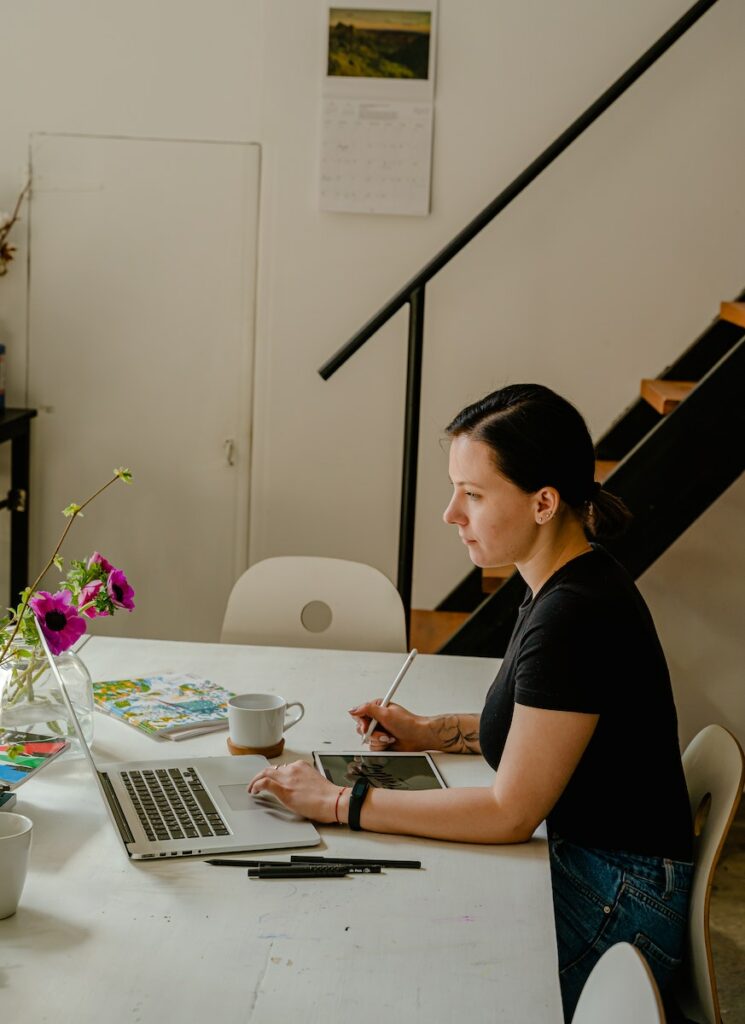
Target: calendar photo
[(366, 42)]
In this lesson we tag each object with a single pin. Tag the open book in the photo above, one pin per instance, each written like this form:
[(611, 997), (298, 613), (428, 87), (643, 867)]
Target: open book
[(171, 706)]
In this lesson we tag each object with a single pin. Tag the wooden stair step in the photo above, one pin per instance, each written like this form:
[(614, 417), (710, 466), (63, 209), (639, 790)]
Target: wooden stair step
[(734, 312), (604, 468), (665, 395), (493, 577), (429, 630)]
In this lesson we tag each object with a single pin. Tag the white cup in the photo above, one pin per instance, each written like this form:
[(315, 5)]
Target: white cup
[(15, 843), (258, 720)]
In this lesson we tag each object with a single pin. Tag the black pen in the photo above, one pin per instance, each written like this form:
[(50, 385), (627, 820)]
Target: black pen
[(230, 862), (300, 859), (294, 871), (352, 869)]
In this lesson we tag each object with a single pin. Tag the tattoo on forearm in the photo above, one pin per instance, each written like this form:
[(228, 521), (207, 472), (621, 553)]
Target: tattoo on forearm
[(458, 734)]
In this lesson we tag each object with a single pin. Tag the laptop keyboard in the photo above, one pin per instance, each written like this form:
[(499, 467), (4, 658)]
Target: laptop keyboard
[(172, 803)]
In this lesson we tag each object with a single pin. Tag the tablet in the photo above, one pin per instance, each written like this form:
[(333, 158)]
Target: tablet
[(388, 770)]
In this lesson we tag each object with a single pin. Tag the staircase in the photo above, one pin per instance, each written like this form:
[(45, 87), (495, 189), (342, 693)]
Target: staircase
[(672, 453)]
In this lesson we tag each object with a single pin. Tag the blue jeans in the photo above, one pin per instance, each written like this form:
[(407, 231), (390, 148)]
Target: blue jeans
[(604, 896)]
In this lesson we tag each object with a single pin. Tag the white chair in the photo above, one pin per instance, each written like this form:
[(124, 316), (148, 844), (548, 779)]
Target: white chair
[(301, 601), (620, 990), (714, 768)]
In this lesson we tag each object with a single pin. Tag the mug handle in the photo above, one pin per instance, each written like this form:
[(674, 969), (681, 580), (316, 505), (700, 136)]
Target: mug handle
[(296, 719)]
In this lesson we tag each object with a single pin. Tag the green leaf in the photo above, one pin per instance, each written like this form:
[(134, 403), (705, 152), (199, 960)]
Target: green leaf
[(29, 631), (58, 561)]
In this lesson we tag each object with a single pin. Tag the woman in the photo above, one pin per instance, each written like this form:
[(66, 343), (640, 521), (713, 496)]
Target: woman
[(579, 725)]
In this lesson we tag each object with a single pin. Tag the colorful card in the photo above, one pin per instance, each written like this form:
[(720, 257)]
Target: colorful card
[(22, 754)]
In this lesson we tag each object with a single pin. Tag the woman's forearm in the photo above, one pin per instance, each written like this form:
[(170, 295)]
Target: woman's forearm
[(463, 815), (455, 734)]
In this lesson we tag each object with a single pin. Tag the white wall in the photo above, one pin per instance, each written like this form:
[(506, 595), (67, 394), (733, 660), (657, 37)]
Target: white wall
[(167, 70), (599, 275)]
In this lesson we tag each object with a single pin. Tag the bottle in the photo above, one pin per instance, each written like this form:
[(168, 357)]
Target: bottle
[(2, 379)]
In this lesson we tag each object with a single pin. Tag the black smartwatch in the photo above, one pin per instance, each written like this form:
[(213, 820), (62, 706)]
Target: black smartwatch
[(356, 800)]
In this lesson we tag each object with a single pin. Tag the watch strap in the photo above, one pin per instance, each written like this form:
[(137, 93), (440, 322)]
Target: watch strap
[(356, 799)]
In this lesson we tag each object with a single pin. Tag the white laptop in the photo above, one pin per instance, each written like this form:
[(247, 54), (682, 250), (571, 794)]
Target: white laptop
[(181, 807)]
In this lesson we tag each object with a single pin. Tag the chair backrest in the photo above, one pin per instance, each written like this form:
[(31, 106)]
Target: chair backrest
[(620, 990), (302, 601), (714, 768)]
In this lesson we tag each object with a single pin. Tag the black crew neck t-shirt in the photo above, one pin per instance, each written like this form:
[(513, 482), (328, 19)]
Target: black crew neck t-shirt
[(587, 643)]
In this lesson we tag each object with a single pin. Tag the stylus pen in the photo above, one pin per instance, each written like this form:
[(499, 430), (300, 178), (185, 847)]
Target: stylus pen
[(373, 868), (389, 696), (299, 859), (292, 871), (229, 862)]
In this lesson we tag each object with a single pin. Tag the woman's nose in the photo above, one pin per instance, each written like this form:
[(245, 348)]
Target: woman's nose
[(452, 514)]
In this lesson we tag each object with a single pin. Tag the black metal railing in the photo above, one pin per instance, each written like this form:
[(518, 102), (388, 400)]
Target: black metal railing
[(413, 292)]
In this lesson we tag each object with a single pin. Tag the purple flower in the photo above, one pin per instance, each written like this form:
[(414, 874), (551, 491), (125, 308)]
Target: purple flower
[(98, 559), (58, 619), (120, 592), (89, 593)]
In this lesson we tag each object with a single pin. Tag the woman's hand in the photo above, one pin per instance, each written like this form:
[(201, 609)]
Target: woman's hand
[(299, 787), (397, 729)]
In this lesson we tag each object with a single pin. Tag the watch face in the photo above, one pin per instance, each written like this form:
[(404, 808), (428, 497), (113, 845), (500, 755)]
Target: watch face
[(361, 786)]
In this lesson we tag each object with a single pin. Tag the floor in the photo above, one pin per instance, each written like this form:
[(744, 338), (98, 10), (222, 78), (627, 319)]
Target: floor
[(727, 922)]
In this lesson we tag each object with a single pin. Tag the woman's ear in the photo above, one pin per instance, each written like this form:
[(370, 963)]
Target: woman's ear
[(547, 502)]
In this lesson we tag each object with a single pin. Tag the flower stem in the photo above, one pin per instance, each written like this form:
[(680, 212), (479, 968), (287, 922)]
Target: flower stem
[(30, 590), (24, 681), (4, 232)]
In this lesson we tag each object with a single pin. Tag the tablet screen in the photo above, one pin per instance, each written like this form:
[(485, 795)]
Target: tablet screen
[(385, 771)]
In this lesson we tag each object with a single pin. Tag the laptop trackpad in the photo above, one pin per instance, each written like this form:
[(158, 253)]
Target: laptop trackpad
[(239, 799)]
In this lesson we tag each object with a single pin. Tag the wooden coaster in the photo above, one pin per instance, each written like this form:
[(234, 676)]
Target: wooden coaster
[(274, 751)]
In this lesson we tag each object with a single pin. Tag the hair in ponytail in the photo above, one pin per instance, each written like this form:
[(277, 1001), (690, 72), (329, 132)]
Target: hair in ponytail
[(538, 439), (605, 515)]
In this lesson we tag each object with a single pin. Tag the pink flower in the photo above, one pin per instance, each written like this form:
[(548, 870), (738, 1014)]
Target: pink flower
[(89, 593), (58, 619), (98, 559), (120, 592)]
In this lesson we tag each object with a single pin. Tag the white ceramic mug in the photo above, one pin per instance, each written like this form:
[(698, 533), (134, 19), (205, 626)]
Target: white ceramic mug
[(258, 720), (15, 843)]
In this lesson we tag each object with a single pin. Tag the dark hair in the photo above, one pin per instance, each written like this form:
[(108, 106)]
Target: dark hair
[(538, 439)]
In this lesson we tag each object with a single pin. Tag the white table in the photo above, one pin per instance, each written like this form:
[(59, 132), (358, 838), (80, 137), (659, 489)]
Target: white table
[(99, 938)]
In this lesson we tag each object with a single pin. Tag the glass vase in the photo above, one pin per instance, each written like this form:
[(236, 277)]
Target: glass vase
[(30, 698)]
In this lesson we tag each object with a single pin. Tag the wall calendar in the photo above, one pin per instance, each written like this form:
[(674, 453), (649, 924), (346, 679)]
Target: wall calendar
[(377, 121)]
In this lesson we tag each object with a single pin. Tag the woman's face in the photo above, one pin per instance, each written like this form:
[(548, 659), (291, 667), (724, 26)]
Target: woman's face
[(496, 520)]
